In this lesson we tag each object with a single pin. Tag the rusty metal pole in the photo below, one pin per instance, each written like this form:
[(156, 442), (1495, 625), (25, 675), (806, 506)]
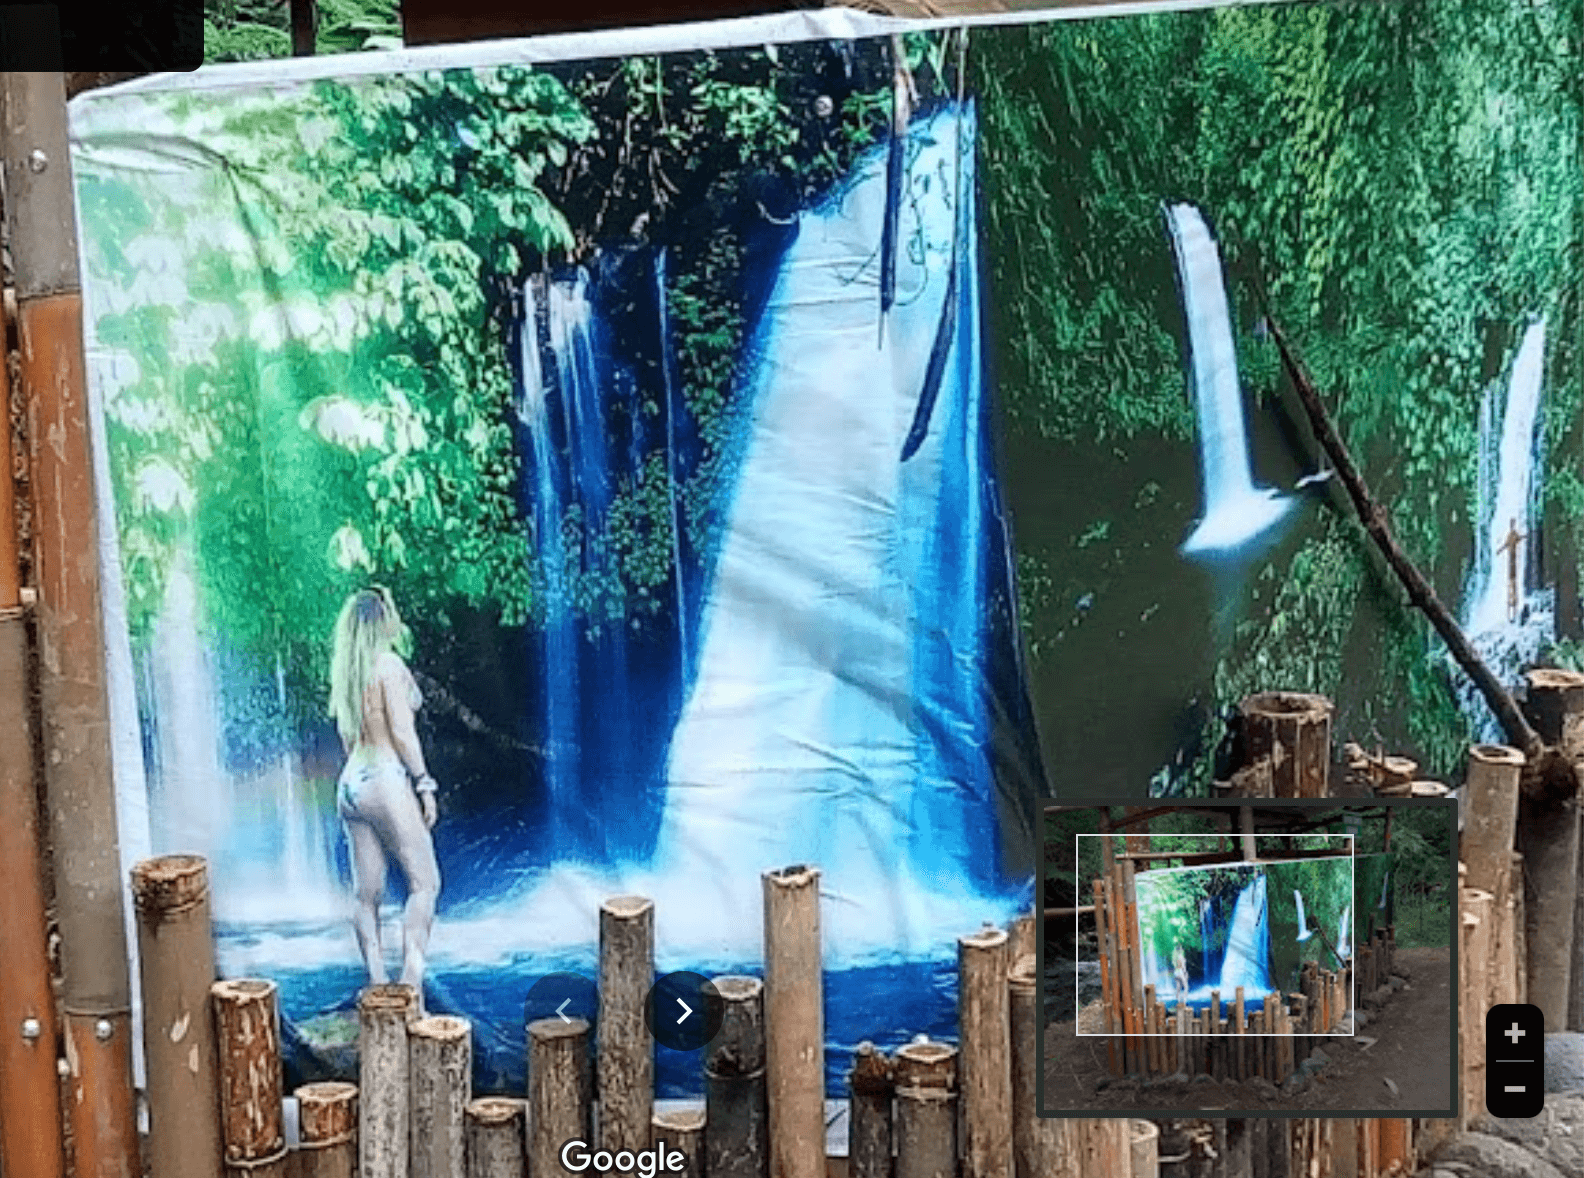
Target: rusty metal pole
[(30, 1135), (96, 984)]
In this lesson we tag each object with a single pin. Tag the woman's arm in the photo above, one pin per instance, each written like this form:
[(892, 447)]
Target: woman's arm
[(396, 689)]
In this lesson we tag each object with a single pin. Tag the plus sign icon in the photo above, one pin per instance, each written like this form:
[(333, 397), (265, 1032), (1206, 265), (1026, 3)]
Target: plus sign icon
[(1514, 1060)]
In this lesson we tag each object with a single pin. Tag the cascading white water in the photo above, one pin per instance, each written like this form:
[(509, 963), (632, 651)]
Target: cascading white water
[(797, 740), (1247, 960), (1507, 622), (1304, 931), (1236, 510)]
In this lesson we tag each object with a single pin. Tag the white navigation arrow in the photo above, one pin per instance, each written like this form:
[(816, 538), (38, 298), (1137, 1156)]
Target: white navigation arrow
[(686, 1009), (561, 1010)]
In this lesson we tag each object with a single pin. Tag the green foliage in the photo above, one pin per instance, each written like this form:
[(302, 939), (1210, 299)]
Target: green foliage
[(1402, 179), (255, 30)]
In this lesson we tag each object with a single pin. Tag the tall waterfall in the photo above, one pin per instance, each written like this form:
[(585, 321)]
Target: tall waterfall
[(1236, 511), (1507, 621), (837, 711), (1248, 951)]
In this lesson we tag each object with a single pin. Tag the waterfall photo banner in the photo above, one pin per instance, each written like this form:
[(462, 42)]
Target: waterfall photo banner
[(553, 479), (538, 471)]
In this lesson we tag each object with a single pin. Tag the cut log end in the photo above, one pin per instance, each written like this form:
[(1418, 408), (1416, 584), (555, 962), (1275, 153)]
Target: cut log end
[(494, 1110), (546, 1030), (627, 907), (443, 1028), (242, 989), (799, 875), (169, 883), (989, 937), (388, 996)]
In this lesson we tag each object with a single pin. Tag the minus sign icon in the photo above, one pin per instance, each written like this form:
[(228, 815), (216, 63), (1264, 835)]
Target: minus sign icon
[(1514, 1088)]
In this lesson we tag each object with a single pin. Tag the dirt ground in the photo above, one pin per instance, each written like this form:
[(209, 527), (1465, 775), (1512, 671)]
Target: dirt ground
[(1412, 1048)]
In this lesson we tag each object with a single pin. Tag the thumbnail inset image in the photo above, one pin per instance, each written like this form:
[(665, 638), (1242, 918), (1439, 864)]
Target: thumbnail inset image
[(1280, 956)]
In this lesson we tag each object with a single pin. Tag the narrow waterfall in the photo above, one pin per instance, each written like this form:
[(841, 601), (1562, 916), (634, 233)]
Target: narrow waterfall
[(1236, 511), (1248, 952), (1507, 621)]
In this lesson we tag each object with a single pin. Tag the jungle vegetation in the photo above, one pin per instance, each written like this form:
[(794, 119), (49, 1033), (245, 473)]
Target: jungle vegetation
[(326, 398), (1404, 180)]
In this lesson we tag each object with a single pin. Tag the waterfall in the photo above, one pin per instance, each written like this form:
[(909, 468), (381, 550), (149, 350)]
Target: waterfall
[(1344, 945), (1248, 951), (1236, 511), (837, 710), (1207, 927), (195, 802), (1506, 621), (1304, 931)]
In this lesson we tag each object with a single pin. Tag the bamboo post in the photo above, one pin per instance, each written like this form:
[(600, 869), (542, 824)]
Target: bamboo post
[(1107, 976), (926, 1111), (1240, 1069), (681, 1131), (737, 1119), (247, 1033), (558, 1091), (96, 988), (795, 1024), (440, 1061), (1239, 1150), (1491, 793), (1152, 1054), (1143, 1149), (1257, 1043), (176, 953), (1105, 1146), (1473, 977), (1168, 1064), (326, 1131), (625, 1069), (1027, 1124), (1396, 1146), (31, 1136), (1549, 836), (1259, 1129), (986, 1054), (1519, 934), (384, 1079), (494, 1133), (1292, 730), (1301, 1047)]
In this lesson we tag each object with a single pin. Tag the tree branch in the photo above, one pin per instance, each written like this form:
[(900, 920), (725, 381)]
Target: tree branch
[(1420, 593)]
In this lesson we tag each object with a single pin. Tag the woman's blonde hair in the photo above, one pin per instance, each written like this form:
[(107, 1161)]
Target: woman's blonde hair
[(367, 627)]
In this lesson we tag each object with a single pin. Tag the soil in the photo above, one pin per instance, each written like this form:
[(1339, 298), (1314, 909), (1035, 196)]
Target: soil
[(1412, 1033)]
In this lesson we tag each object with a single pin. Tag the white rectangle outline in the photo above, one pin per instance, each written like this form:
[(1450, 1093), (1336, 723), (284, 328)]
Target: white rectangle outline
[(1352, 975)]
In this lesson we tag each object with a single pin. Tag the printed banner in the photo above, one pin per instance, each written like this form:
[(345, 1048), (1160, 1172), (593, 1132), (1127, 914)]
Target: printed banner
[(539, 471)]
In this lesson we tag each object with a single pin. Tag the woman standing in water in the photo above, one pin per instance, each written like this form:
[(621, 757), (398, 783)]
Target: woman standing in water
[(373, 698)]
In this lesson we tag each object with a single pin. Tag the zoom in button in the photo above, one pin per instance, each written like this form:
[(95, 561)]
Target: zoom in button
[(1514, 1060)]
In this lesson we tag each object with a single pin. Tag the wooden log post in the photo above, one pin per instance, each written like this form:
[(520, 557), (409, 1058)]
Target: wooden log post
[(1027, 1124), (495, 1135), (625, 1069), (986, 1054), (1554, 704), (440, 1063), (926, 1111), (247, 1035), (1239, 1030), (737, 1120), (1105, 1146), (384, 1086), (795, 1023), (1491, 794), (1107, 976), (1548, 836), (869, 1142), (1143, 1149), (1293, 731), (1474, 981), (326, 1131), (1396, 1146), (1175, 1149), (1020, 937), (1152, 1054), (681, 1131), (1301, 1044), (559, 1091), (176, 953)]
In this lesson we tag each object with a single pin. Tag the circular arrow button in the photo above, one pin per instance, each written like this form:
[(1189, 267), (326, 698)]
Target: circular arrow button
[(684, 1011), (566, 996)]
